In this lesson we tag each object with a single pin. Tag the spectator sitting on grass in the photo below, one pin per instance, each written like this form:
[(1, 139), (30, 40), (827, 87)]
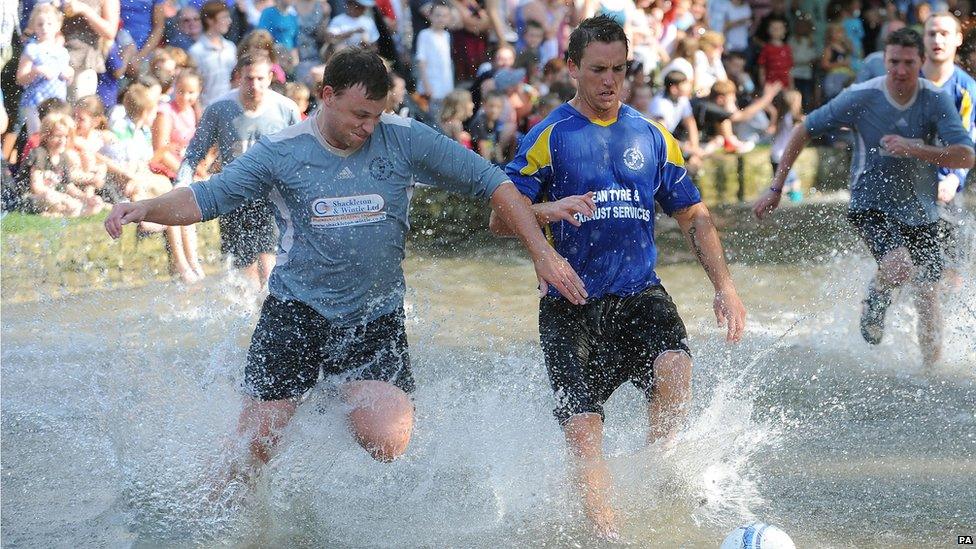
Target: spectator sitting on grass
[(58, 185)]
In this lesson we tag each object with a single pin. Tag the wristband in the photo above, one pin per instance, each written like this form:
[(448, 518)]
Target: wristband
[(777, 191)]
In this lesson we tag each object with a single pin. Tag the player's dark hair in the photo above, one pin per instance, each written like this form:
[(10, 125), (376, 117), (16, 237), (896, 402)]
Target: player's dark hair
[(358, 67), (906, 38), (595, 29)]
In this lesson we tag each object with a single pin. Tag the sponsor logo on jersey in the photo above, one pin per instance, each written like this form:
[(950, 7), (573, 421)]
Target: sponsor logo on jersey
[(346, 211)]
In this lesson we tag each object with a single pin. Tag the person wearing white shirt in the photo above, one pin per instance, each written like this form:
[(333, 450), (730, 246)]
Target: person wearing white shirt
[(214, 55), (355, 27)]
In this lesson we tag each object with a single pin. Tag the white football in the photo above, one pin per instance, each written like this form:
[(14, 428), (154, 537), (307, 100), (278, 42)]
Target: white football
[(758, 535)]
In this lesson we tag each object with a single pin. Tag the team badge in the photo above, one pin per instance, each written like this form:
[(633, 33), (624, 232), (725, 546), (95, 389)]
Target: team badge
[(380, 168), (633, 158)]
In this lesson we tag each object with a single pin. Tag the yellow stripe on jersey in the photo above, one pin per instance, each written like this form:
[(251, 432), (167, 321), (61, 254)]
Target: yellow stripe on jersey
[(674, 150), (603, 123), (539, 155), (966, 109)]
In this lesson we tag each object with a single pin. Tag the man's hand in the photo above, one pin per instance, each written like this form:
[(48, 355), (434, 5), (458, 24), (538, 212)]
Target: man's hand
[(565, 208), (897, 145), (947, 188), (766, 203), (730, 312), (552, 268), (122, 214)]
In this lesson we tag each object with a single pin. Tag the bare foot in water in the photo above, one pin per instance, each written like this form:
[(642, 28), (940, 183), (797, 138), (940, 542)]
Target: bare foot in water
[(603, 521)]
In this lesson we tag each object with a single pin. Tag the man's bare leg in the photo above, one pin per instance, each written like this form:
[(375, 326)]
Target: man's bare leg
[(381, 418), (261, 423), (895, 269), (584, 434), (266, 263), (670, 396), (929, 323)]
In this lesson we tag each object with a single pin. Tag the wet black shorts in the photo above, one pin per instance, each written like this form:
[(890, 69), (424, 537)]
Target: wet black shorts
[(248, 231), (592, 349), (882, 233), (293, 343)]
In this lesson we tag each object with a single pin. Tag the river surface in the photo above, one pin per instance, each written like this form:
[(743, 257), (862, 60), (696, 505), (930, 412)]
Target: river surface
[(116, 404)]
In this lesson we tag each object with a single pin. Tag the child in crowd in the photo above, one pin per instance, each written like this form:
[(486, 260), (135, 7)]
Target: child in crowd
[(804, 54), (300, 94), (836, 61), (708, 63), (672, 107), (435, 70), (458, 108), (529, 57), (261, 40), (776, 57), (281, 21), (163, 67), (489, 135), (58, 186), (44, 70), (131, 150), (172, 130), (48, 106), (789, 111), (90, 136)]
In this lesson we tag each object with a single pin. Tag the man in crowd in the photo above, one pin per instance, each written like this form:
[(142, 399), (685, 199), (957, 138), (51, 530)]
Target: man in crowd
[(340, 183), (893, 180), (593, 170), (234, 123)]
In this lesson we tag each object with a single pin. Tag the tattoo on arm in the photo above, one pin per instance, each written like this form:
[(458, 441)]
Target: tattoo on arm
[(692, 232)]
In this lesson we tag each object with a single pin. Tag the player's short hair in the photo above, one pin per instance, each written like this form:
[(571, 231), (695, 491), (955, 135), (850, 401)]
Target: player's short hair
[(948, 14), (358, 67), (595, 29), (906, 38)]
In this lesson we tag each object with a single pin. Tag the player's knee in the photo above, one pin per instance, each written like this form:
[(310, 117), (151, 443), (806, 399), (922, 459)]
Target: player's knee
[(382, 419), (897, 266), (672, 368)]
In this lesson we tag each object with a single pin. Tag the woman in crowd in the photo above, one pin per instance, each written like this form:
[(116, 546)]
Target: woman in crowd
[(89, 30)]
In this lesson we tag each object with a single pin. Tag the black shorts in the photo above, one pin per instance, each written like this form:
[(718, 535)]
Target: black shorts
[(248, 231), (882, 233), (592, 349), (293, 343)]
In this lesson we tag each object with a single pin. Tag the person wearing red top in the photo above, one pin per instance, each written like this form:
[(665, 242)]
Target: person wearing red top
[(776, 58)]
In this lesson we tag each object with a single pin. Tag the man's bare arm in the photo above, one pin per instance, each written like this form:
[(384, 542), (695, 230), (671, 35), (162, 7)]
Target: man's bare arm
[(954, 157), (177, 207), (549, 212), (699, 229), (768, 202)]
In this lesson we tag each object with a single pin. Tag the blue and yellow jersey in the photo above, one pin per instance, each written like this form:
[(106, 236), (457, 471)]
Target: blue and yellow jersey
[(962, 89), (629, 163)]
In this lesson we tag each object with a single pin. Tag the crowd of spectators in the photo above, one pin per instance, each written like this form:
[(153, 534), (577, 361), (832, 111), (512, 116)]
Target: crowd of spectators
[(102, 96)]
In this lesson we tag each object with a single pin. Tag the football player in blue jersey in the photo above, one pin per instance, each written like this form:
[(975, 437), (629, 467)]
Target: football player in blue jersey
[(905, 128), (593, 170), (942, 37)]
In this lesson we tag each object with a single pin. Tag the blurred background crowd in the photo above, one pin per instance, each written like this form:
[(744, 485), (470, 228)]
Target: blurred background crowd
[(102, 97)]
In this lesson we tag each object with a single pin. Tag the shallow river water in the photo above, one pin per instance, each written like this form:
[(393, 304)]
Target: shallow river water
[(116, 403)]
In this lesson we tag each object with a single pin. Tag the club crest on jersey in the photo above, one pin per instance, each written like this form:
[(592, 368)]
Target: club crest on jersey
[(633, 158), (380, 168)]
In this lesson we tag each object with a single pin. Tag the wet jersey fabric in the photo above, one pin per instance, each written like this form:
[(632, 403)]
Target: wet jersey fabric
[(342, 215), (629, 163), (904, 188)]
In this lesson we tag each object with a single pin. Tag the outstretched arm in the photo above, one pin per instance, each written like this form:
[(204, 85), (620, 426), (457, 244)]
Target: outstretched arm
[(513, 210), (953, 157), (770, 199), (696, 223), (549, 212), (177, 207)]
